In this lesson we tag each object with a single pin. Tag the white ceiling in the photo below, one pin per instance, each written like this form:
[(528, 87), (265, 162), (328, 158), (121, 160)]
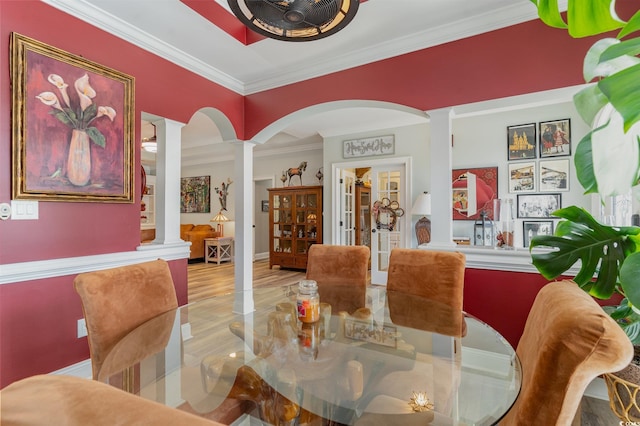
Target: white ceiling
[(381, 29)]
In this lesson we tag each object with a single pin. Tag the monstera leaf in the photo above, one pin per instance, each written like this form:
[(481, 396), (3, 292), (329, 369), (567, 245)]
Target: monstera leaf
[(601, 249)]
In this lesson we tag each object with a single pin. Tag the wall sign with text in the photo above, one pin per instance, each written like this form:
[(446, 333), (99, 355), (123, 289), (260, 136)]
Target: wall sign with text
[(367, 147)]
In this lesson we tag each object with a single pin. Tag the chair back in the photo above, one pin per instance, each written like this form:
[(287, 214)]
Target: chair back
[(116, 301), (568, 340), (341, 273), (434, 275), (73, 401)]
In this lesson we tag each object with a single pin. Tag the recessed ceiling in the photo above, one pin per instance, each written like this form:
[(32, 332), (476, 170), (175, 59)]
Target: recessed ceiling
[(202, 40)]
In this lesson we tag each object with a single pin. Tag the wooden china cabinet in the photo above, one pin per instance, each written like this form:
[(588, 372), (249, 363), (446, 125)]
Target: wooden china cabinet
[(295, 223)]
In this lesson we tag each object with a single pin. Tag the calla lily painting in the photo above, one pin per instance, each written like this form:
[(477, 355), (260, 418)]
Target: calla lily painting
[(73, 126)]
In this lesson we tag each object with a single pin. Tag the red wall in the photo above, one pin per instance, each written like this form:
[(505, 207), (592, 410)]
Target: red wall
[(38, 319)]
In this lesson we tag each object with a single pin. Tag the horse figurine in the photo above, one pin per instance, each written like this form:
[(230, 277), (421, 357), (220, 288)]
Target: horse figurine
[(297, 171)]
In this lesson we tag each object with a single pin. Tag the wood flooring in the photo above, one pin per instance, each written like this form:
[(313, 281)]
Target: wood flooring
[(208, 279)]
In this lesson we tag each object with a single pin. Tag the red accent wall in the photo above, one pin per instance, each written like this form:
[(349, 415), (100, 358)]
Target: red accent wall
[(39, 326), (38, 318)]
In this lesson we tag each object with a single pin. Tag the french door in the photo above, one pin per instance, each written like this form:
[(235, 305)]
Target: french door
[(390, 225)]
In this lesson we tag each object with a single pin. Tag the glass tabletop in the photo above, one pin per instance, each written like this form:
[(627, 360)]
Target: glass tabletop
[(396, 360)]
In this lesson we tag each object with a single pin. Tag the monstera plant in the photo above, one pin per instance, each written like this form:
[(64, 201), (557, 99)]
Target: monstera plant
[(607, 160)]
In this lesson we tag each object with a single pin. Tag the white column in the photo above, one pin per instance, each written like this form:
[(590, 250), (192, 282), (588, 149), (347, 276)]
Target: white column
[(243, 263), (169, 140), (441, 166)]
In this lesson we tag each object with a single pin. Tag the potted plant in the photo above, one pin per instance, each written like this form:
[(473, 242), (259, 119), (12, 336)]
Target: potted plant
[(607, 162)]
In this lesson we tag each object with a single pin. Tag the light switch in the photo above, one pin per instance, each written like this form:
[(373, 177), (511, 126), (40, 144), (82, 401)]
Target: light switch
[(24, 209)]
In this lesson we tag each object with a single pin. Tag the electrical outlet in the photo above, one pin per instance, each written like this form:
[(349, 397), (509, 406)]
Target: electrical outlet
[(82, 328)]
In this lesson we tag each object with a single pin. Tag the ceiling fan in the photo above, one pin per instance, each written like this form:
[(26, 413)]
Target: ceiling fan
[(295, 20)]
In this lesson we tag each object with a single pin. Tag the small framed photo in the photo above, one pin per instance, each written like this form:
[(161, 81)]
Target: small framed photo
[(531, 229), (521, 142), (554, 175), (537, 205), (522, 177), (265, 205), (555, 138)]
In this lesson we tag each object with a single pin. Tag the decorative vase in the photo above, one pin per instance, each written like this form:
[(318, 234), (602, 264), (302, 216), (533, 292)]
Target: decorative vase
[(505, 224), (79, 160)]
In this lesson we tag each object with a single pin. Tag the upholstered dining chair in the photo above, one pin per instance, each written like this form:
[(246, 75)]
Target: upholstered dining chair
[(73, 401), (341, 273), (435, 275), (118, 300), (567, 341)]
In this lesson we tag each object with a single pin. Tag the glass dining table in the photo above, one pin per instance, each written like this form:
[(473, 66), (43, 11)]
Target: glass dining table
[(396, 360)]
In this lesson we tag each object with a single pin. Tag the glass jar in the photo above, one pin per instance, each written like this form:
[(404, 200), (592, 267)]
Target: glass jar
[(309, 339), (308, 301)]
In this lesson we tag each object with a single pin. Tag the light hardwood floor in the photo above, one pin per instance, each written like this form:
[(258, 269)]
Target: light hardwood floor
[(208, 279)]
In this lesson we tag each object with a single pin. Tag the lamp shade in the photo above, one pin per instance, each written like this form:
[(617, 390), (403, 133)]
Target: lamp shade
[(422, 205), (219, 218)]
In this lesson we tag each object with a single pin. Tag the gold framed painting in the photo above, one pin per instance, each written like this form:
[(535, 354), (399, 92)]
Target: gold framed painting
[(73, 126)]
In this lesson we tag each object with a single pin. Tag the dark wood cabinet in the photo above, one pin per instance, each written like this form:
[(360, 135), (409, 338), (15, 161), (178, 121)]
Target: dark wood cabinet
[(295, 223)]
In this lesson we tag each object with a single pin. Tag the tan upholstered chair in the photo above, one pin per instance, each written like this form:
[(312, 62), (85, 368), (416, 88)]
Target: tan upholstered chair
[(341, 274), (116, 301), (435, 275), (567, 341), (72, 401)]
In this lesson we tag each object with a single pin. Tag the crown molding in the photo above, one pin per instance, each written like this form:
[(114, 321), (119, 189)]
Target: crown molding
[(474, 25), (477, 24), (121, 29)]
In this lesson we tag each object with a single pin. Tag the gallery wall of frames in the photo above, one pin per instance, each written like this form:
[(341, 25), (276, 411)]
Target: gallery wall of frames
[(531, 163)]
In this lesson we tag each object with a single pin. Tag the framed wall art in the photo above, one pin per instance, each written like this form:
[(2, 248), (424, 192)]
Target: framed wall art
[(522, 177), (521, 142), (474, 190), (554, 175), (195, 194), (531, 229), (265, 206), (555, 138), (537, 205), (73, 126)]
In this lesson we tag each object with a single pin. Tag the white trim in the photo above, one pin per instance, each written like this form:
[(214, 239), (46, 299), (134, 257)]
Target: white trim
[(42, 269), (517, 260), (80, 369), (471, 26), (597, 389)]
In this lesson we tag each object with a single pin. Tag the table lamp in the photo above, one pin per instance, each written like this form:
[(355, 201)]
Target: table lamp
[(219, 219), (422, 207)]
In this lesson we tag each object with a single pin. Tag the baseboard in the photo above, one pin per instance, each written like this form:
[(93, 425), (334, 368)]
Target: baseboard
[(81, 369), (597, 389), (261, 256)]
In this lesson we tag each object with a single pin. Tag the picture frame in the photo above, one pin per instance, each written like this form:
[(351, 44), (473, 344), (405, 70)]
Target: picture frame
[(553, 175), (521, 142), (531, 228), (522, 177), (195, 194), (555, 138), (72, 126), (485, 181), (265, 206), (537, 205), (367, 331)]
